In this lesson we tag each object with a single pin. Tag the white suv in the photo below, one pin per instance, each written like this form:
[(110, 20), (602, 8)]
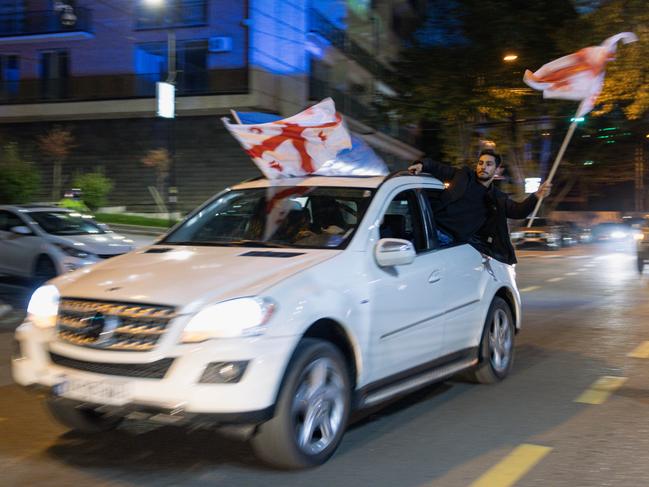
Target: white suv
[(273, 310)]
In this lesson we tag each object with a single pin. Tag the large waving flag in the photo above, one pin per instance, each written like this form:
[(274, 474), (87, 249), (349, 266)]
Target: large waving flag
[(294, 146), (578, 76)]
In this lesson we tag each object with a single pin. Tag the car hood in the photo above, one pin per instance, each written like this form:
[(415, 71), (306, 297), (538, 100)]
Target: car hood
[(100, 244), (188, 277)]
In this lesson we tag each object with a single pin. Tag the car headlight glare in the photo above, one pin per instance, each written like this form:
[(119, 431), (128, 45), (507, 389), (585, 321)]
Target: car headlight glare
[(44, 306), (234, 318), (73, 252)]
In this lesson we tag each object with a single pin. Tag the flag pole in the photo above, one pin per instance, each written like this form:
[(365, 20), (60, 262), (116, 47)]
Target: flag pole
[(557, 161), (235, 116)]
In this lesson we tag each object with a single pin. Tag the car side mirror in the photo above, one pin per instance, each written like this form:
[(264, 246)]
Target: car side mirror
[(394, 251), (21, 230)]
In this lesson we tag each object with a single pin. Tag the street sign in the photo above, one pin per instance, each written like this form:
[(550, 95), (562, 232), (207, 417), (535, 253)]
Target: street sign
[(166, 97)]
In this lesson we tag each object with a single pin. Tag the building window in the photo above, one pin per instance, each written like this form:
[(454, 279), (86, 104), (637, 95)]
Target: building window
[(9, 74), (173, 13), (12, 17), (54, 74), (192, 75)]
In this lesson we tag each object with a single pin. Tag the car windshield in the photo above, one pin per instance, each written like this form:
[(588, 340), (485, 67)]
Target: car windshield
[(281, 216), (65, 223)]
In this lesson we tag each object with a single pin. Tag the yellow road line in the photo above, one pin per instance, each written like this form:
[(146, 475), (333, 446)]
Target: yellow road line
[(530, 288), (601, 389), (641, 351), (513, 467), (555, 279)]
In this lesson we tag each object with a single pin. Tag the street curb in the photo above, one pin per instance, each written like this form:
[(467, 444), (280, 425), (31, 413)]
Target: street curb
[(137, 229)]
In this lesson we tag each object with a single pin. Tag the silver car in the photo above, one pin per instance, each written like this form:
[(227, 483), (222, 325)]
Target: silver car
[(40, 242)]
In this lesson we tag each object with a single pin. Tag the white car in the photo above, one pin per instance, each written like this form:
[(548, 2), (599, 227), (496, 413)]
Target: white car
[(40, 242), (273, 310)]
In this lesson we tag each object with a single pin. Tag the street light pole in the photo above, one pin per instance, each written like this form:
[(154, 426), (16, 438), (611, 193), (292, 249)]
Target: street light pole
[(172, 196)]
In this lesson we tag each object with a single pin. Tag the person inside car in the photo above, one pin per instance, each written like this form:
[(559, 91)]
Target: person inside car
[(472, 210)]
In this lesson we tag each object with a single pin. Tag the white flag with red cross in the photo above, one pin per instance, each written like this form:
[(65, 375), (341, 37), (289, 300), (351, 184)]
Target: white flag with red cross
[(578, 76), (294, 146)]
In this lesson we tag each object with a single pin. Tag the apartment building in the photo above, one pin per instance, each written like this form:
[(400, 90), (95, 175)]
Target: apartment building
[(91, 66)]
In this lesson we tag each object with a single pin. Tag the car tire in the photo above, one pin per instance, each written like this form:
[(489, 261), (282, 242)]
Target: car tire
[(44, 270), (496, 352), (82, 420), (640, 263), (312, 409)]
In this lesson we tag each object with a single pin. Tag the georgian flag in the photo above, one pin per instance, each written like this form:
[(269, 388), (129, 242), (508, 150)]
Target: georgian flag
[(578, 76), (294, 146)]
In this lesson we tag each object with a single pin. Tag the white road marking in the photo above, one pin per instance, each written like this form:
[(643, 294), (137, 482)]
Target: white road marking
[(529, 289), (555, 279), (571, 273)]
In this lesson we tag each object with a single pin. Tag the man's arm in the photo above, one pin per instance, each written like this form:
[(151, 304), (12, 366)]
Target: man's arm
[(441, 171), (519, 210)]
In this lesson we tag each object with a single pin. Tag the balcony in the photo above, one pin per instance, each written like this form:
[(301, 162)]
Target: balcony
[(338, 38), (36, 25), (125, 86)]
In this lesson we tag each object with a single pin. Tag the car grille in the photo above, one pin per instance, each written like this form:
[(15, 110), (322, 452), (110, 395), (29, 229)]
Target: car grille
[(153, 370), (533, 235), (112, 326)]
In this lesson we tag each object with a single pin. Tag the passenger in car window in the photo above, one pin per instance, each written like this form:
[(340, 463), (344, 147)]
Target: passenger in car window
[(472, 210)]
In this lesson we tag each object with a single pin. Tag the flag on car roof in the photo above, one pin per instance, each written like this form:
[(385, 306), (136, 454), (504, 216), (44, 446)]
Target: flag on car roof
[(294, 146), (578, 76)]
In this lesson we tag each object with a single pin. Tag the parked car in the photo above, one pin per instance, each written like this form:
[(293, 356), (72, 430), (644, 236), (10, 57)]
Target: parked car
[(642, 245), (41, 242), (274, 310), (542, 234)]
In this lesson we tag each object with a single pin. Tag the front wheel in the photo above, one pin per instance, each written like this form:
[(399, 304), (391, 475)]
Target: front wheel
[(83, 420), (312, 409), (497, 344)]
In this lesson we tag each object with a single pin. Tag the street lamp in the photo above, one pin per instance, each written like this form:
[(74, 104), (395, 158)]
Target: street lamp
[(510, 58)]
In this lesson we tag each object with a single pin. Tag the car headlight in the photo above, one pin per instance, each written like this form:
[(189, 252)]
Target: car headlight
[(73, 252), (44, 306), (241, 317), (638, 236), (517, 234)]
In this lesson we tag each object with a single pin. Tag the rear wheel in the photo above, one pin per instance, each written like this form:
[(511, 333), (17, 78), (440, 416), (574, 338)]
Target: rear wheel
[(312, 409), (497, 344), (640, 263), (83, 420), (44, 270)]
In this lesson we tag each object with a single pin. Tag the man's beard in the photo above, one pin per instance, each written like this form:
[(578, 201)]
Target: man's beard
[(484, 177)]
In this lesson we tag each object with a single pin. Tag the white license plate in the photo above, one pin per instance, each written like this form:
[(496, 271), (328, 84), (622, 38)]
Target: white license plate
[(99, 392)]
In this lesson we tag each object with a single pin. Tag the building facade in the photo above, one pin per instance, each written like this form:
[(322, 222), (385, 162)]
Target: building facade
[(91, 67)]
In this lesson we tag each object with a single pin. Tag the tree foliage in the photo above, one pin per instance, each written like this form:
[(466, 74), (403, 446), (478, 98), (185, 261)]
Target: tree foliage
[(95, 187), (19, 180), (57, 144)]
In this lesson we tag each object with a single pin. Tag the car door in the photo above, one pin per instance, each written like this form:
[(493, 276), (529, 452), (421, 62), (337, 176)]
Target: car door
[(16, 256), (466, 276), (408, 301)]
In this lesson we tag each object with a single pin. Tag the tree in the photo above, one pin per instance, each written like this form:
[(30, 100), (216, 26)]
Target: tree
[(19, 180), (57, 144), (159, 160)]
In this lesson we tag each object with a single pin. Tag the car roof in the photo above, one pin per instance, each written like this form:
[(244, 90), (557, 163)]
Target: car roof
[(370, 182), (34, 207)]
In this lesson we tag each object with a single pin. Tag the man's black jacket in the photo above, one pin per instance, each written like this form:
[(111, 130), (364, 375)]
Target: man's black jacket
[(494, 237)]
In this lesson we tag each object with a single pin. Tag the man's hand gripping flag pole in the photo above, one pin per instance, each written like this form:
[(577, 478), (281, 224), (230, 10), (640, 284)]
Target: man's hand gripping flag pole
[(577, 76)]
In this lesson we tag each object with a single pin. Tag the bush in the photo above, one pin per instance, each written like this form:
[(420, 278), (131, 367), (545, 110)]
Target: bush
[(94, 188), (19, 180)]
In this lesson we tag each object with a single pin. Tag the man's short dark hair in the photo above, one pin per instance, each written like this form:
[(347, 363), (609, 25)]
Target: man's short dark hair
[(492, 153)]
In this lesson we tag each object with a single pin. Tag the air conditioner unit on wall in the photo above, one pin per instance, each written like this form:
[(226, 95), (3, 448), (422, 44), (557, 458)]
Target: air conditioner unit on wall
[(220, 44)]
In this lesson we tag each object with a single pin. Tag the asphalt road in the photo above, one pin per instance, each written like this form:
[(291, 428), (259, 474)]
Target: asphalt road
[(574, 412)]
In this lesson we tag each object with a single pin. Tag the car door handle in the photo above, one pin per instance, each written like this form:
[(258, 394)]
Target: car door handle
[(435, 276)]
